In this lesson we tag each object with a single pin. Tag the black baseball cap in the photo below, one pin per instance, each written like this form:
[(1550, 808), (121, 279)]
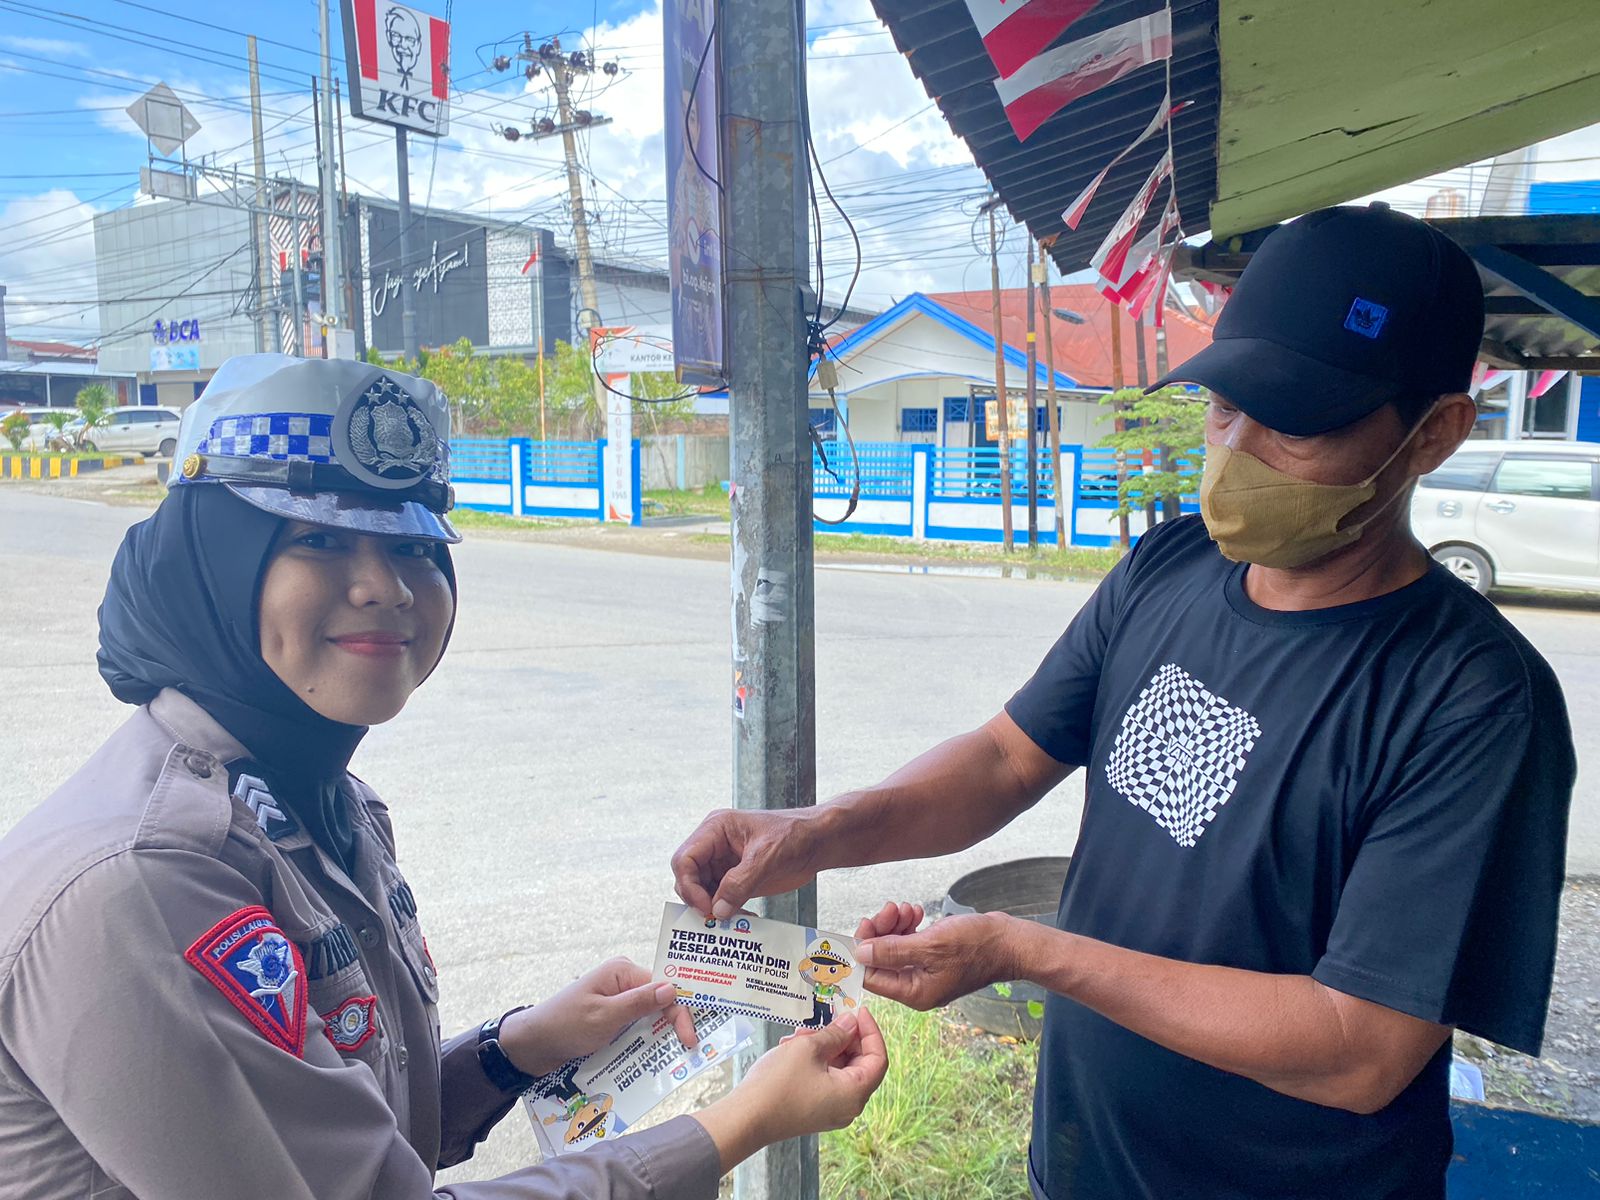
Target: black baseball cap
[(1339, 313)]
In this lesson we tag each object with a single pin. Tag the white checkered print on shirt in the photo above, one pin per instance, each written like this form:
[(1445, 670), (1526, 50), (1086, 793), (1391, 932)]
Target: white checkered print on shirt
[(1179, 752)]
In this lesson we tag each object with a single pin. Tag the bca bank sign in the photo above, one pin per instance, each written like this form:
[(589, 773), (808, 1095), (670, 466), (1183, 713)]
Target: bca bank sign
[(399, 65)]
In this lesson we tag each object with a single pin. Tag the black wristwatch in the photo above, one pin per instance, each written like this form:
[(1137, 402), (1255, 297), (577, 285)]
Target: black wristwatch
[(492, 1057)]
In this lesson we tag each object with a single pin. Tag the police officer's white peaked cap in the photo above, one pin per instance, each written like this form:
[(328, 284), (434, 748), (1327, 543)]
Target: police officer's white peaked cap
[(327, 441)]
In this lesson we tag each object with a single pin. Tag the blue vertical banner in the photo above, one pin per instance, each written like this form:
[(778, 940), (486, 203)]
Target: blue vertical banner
[(694, 195)]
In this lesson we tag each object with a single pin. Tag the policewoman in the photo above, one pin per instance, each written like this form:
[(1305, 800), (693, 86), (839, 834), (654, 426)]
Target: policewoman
[(213, 976)]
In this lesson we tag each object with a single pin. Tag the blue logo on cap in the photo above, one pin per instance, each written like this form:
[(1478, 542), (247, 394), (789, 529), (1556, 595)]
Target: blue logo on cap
[(1367, 318)]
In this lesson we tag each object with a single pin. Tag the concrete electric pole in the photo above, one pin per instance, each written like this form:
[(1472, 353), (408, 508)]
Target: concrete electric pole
[(261, 244), (764, 172), (332, 260)]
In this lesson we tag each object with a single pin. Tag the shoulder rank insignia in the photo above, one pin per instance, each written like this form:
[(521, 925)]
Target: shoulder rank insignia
[(251, 791), (350, 1024), (248, 959)]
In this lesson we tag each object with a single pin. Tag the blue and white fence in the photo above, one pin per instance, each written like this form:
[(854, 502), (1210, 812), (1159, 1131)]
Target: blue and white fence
[(946, 493), (536, 479), (952, 493)]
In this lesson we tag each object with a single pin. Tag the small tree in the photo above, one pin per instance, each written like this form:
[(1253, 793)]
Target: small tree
[(1169, 422), (58, 420), (14, 428), (94, 405)]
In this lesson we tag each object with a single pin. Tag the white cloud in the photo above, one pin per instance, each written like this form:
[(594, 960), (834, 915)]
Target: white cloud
[(47, 257), (47, 46)]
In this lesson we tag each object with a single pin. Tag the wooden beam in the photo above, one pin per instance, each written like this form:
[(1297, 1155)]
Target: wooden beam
[(1324, 103), (1542, 229)]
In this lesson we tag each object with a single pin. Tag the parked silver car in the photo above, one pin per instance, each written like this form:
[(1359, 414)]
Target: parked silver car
[(1515, 514), (138, 429)]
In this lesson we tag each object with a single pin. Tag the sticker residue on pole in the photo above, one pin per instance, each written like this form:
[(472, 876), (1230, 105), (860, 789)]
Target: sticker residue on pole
[(740, 694), (770, 604)]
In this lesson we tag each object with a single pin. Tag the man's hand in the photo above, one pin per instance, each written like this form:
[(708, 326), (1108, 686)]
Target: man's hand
[(736, 854), (950, 958), (588, 1013)]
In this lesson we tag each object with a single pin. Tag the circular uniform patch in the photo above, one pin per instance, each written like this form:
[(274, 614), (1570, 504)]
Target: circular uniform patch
[(350, 1025), (384, 438)]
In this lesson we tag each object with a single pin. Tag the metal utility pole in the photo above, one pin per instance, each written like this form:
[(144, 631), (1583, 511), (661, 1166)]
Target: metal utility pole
[(332, 261), (764, 173), (260, 244), (1052, 414), (1001, 407), (298, 336), (347, 291), (1118, 424), (408, 295), (1033, 408)]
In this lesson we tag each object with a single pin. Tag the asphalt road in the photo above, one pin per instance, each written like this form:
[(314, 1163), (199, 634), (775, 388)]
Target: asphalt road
[(579, 728)]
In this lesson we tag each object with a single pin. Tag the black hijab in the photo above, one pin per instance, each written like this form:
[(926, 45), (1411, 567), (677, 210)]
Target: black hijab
[(181, 612)]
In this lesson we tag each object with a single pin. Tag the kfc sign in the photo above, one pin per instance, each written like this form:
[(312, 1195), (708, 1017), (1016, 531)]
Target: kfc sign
[(399, 65)]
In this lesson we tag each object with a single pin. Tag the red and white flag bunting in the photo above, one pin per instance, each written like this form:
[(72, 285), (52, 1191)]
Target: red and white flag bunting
[(1013, 31), (1159, 270), (1112, 286), (1047, 84), (1484, 378), (1074, 211), (1113, 252), (1546, 381)]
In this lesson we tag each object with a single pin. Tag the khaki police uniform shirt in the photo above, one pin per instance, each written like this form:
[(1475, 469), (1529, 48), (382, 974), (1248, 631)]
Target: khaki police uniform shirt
[(133, 1062)]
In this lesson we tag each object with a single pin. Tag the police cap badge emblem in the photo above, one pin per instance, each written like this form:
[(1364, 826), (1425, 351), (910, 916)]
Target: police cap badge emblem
[(384, 438)]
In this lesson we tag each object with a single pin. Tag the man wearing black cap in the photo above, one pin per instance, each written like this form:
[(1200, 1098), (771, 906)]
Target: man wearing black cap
[(1326, 783)]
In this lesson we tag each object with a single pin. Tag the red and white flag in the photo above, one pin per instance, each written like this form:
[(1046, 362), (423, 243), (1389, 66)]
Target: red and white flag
[(1127, 278), (1013, 31), (1488, 378), (1047, 84), (1073, 213), (1546, 381), (1151, 278), (1113, 251)]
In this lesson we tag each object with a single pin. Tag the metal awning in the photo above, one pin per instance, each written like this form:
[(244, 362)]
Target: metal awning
[(1293, 106), (1038, 178)]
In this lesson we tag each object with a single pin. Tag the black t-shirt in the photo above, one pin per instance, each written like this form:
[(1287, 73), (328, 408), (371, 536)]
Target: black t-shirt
[(1374, 795)]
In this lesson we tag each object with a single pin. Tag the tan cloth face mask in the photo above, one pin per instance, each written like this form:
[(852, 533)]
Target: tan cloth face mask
[(1258, 514)]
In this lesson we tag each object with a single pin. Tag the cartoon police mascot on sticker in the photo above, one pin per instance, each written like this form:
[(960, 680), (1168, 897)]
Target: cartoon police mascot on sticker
[(826, 968), (585, 1116)]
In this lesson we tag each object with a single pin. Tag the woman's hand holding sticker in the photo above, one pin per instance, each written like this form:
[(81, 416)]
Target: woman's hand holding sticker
[(811, 1082), (586, 1014)]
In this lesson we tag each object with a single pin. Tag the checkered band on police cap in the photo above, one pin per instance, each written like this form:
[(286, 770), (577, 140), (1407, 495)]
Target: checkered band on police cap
[(389, 431)]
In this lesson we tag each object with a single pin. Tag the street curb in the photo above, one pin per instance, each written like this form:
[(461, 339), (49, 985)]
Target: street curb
[(32, 466)]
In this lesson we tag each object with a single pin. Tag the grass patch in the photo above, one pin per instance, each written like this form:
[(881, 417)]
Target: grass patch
[(67, 455), (951, 1121), (473, 518), (709, 501), (1073, 560)]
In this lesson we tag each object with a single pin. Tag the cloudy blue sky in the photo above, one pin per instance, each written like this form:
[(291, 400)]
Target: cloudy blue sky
[(68, 150)]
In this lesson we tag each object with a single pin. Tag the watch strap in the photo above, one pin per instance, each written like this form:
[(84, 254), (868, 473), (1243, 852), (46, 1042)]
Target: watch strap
[(493, 1059)]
